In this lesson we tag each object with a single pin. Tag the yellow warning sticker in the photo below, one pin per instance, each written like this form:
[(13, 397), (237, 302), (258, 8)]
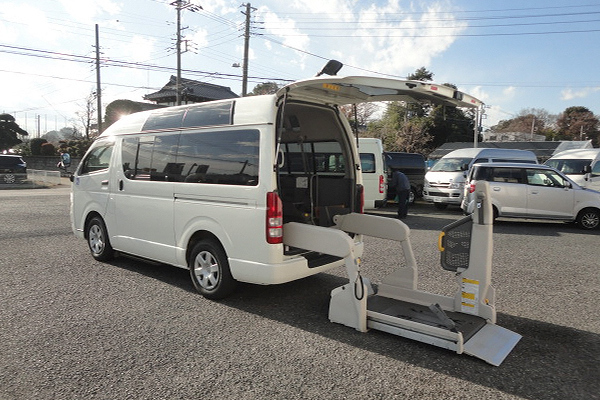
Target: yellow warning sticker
[(331, 86), (470, 296)]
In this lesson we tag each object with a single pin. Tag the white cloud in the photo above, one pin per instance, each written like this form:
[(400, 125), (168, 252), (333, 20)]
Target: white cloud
[(25, 20), (509, 92), (86, 11), (570, 94)]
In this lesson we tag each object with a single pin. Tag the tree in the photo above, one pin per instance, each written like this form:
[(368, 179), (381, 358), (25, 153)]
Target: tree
[(9, 130), (578, 123), (36, 146), (421, 74), (87, 116), (264, 88)]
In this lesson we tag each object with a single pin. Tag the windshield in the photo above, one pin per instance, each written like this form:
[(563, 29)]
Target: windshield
[(450, 164), (570, 166)]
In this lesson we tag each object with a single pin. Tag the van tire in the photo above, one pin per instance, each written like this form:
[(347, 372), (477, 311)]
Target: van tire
[(209, 270), (588, 218), (98, 242)]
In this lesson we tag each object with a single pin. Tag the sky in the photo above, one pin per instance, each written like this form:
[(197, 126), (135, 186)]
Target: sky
[(512, 55)]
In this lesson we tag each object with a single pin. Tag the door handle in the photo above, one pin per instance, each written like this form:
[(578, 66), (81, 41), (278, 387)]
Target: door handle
[(104, 182), (496, 189), (120, 184)]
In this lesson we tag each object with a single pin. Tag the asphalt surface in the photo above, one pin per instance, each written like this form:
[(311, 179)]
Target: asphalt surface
[(74, 328)]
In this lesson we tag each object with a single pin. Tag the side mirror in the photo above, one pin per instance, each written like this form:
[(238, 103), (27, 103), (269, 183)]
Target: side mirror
[(464, 167), (72, 178)]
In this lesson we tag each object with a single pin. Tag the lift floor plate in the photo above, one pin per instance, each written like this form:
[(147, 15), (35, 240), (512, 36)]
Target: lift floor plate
[(467, 324)]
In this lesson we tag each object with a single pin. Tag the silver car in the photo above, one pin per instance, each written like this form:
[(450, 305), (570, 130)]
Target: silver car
[(534, 191)]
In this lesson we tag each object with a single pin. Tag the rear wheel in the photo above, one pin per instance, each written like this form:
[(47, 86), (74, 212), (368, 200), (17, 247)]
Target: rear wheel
[(209, 270), (589, 218), (97, 237)]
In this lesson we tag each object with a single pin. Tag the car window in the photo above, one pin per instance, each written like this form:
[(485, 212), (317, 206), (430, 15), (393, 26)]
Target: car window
[(596, 169), (98, 159), (367, 162), (508, 175), (540, 177)]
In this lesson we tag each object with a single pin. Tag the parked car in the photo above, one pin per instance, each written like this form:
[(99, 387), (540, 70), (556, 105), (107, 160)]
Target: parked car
[(535, 191), (13, 169), (412, 165)]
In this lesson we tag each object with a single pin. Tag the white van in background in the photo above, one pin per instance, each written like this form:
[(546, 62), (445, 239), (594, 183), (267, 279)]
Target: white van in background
[(581, 165), (373, 172), (445, 181)]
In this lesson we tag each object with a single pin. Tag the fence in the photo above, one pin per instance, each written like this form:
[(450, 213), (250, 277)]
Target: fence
[(43, 177)]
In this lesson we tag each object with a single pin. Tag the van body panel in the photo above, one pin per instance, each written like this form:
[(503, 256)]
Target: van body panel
[(372, 171), (444, 182), (572, 163)]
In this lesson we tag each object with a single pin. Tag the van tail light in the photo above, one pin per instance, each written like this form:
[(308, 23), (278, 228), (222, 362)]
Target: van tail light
[(361, 198), (274, 219), (381, 184), (472, 187)]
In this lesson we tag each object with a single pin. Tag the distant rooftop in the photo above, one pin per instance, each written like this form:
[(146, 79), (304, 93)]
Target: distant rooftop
[(191, 92)]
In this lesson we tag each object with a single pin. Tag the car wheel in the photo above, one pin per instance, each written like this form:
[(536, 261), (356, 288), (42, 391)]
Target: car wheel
[(209, 270), (440, 206), (589, 218), (10, 178), (97, 237)]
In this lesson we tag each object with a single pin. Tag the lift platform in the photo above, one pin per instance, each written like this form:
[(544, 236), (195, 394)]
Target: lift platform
[(464, 323)]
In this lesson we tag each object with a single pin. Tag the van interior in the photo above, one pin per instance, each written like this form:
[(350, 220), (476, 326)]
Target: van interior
[(316, 172)]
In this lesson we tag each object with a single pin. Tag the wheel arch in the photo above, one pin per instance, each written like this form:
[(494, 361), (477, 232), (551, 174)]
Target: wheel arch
[(199, 236), (88, 218)]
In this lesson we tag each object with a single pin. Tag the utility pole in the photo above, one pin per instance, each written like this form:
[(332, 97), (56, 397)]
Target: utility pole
[(98, 86), (249, 10), (181, 5)]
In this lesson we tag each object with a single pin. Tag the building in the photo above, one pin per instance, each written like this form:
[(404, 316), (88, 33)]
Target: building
[(191, 92)]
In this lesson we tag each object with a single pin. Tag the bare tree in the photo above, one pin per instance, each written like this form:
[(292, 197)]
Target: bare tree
[(87, 116)]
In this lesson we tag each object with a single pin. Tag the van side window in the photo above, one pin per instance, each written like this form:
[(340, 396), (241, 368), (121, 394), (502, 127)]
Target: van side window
[(98, 159), (208, 115), (151, 158), (307, 158), (367, 162), (223, 157)]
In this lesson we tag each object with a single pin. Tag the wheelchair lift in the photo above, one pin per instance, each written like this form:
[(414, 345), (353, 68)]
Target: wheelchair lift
[(465, 323)]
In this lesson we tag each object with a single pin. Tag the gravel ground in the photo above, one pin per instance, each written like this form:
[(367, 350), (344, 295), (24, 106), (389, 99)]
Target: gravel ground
[(74, 328)]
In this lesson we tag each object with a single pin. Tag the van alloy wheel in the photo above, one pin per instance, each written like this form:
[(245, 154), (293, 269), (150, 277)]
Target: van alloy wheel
[(97, 237), (10, 178), (589, 218), (209, 270)]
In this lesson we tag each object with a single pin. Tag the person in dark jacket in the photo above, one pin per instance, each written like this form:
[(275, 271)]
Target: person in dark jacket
[(402, 185)]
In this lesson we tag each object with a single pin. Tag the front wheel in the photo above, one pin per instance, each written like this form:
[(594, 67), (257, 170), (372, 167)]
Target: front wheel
[(209, 270), (589, 218), (97, 237)]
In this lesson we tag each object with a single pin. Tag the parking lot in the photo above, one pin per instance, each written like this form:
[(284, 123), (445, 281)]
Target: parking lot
[(74, 328)]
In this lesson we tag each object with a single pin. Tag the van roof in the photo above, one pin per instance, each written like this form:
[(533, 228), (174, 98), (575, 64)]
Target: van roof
[(577, 153), (474, 152)]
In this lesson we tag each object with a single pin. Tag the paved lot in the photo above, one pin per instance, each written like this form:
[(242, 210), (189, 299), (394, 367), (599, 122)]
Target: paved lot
[(73, 328)]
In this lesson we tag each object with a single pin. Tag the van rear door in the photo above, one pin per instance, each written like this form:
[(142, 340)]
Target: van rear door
[(359, 89)]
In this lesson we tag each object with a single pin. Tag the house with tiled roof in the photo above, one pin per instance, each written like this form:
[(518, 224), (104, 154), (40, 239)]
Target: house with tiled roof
[(191, 92)]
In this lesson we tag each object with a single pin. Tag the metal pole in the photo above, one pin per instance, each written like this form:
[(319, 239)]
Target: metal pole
[(98, 86), (178, 81), (246, 48)]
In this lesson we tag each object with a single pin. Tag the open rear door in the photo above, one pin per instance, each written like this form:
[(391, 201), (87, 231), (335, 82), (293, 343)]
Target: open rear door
[(359, 89)]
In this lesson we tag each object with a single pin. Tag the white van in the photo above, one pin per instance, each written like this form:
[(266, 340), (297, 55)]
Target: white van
[(445, 181), (581, 165), (373, 172), (212, 186)]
